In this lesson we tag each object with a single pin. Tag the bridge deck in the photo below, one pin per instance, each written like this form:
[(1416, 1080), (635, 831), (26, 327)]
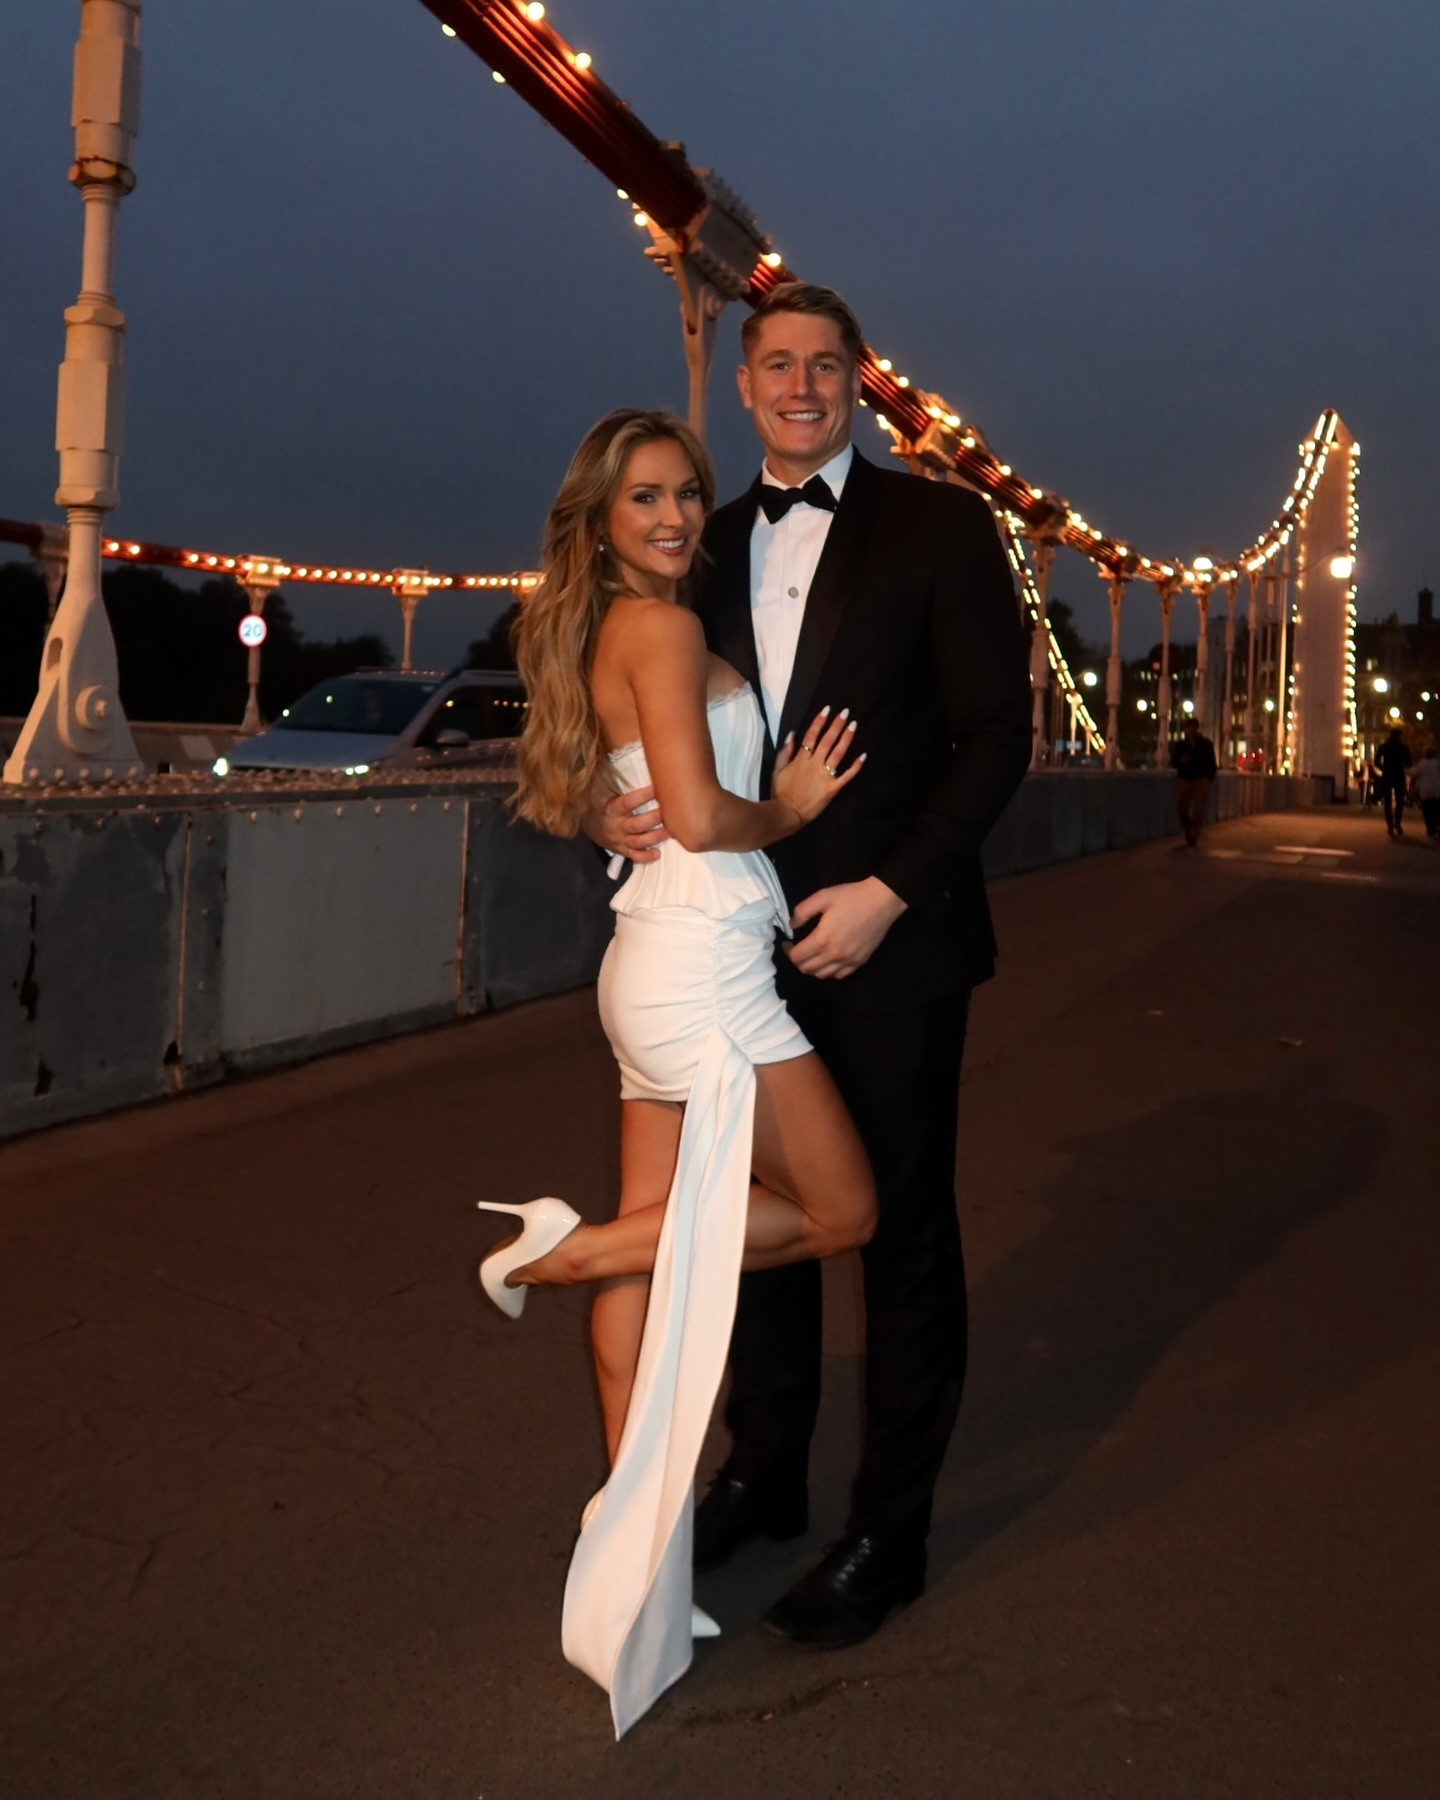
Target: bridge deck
[(284, 1509)]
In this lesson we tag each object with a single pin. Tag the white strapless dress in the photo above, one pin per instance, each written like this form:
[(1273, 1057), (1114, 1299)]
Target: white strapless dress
[(688, 1001)]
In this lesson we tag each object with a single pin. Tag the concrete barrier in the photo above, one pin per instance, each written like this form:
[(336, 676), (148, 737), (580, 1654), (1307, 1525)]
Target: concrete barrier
[(171, 938), (150, 949)]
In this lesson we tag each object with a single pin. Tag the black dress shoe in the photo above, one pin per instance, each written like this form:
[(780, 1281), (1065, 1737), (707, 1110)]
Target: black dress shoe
[(736, 1510), (848, 1595)]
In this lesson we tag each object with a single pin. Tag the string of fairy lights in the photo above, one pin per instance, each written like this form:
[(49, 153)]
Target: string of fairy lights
[(270, 571), (667, 197)]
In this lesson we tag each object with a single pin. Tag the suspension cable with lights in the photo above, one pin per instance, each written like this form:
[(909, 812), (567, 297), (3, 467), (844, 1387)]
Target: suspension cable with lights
[(687, 211)]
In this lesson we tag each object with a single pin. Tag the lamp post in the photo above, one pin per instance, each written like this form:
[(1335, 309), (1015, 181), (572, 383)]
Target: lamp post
[(258, 583), (76, 731)]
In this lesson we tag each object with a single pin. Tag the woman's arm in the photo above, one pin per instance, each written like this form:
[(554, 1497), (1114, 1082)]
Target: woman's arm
[(663, 656)]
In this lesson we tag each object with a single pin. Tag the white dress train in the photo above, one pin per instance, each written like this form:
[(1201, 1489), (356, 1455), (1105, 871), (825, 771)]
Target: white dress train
[(688, 1001)]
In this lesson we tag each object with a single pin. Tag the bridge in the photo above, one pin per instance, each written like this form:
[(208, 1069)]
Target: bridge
[(263, 1451), (1298, 713), (264, 1454)]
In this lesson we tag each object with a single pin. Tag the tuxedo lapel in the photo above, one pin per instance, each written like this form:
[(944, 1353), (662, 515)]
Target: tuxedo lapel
[(830, 591), (729, 623)]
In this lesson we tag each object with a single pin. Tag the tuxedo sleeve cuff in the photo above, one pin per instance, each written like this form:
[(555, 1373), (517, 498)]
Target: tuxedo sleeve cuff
[(910, 872)]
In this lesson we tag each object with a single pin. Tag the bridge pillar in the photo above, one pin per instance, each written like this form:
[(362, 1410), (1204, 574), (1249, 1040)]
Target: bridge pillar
[(409, 587), (76, 731), (711, 259), (700, 310), (1042, 553), (1282, 662), (1227, 707), (1325, 592), (1166, 591), (1113, 675), (1252, 663)]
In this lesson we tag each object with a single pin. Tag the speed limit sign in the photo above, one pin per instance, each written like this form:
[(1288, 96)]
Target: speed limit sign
[(253, 631)]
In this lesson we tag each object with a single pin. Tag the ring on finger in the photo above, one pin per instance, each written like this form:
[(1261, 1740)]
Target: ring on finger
[(831, 770)]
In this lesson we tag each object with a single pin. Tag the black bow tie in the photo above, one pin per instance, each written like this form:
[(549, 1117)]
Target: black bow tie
[(775, 502)]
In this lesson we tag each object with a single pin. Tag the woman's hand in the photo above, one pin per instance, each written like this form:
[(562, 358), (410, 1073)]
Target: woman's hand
[(809, 777)]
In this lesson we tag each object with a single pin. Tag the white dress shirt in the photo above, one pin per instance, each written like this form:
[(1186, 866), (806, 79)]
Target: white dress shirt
[(783, 558)]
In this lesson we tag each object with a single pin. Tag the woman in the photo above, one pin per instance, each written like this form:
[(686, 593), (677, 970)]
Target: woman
[(736, 1150)]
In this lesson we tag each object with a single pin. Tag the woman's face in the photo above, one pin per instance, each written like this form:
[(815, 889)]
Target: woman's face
[(655, 519)]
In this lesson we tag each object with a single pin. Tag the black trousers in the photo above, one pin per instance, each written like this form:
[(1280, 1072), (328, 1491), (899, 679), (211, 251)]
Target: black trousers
[(899, 1073), (1392, 795)]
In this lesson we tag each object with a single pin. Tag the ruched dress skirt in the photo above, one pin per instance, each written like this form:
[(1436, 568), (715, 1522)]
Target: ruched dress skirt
[(690, 1007)]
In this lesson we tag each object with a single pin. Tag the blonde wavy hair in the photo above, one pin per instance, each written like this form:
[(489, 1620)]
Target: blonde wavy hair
[(562, 764)]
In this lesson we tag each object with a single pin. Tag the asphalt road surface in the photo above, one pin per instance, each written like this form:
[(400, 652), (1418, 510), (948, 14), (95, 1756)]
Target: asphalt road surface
[(285, 1508)]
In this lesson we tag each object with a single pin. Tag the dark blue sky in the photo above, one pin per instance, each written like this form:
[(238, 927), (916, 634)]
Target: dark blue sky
[(374, 302)]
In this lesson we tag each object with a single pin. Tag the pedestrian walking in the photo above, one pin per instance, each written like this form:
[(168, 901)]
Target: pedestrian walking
[(1393, 762), (1427, 792), (1193, 760)]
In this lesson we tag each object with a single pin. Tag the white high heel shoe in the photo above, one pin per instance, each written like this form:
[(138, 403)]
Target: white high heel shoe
[(544, 1223), (701, 1624)]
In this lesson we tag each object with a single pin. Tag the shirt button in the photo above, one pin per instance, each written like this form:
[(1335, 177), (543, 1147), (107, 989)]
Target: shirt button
[(794, 593)]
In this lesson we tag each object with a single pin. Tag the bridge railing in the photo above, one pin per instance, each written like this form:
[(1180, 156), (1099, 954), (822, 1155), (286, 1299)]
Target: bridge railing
[(175, 936)]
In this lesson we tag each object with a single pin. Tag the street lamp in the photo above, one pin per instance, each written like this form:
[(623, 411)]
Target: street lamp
[(1091, 679), (1380, 685)]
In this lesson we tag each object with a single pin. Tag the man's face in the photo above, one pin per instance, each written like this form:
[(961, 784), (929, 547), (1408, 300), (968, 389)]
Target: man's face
[(800, 388)]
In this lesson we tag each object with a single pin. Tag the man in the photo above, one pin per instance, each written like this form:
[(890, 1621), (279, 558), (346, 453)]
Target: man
[(1193, 760), (833, 581), (1393, 763)]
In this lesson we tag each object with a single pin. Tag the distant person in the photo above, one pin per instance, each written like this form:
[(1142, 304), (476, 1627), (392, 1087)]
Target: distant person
[(1193, 760), (1393, 765), (1427, 792)]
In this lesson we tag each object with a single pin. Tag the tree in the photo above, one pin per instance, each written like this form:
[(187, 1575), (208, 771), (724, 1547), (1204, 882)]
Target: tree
[(1077, 653), (494, 650), (178, 648), (22, 636)]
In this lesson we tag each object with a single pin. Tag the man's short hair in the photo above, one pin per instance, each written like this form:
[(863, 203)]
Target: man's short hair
[(805, 297)]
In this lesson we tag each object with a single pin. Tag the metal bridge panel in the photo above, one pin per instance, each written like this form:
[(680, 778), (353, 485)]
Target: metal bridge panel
[(538, 916), (202, 946), (90, 909), (337, 918)]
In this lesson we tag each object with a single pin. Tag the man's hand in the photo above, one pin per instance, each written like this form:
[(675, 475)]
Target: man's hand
[(624, 828), (853, 922)]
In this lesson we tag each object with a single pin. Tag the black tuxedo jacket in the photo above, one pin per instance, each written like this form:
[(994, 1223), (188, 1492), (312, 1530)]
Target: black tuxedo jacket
[(911, 622)]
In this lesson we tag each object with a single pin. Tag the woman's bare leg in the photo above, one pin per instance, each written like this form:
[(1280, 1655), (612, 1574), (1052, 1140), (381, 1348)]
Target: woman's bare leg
[(814, 1194), (649, 1140)]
